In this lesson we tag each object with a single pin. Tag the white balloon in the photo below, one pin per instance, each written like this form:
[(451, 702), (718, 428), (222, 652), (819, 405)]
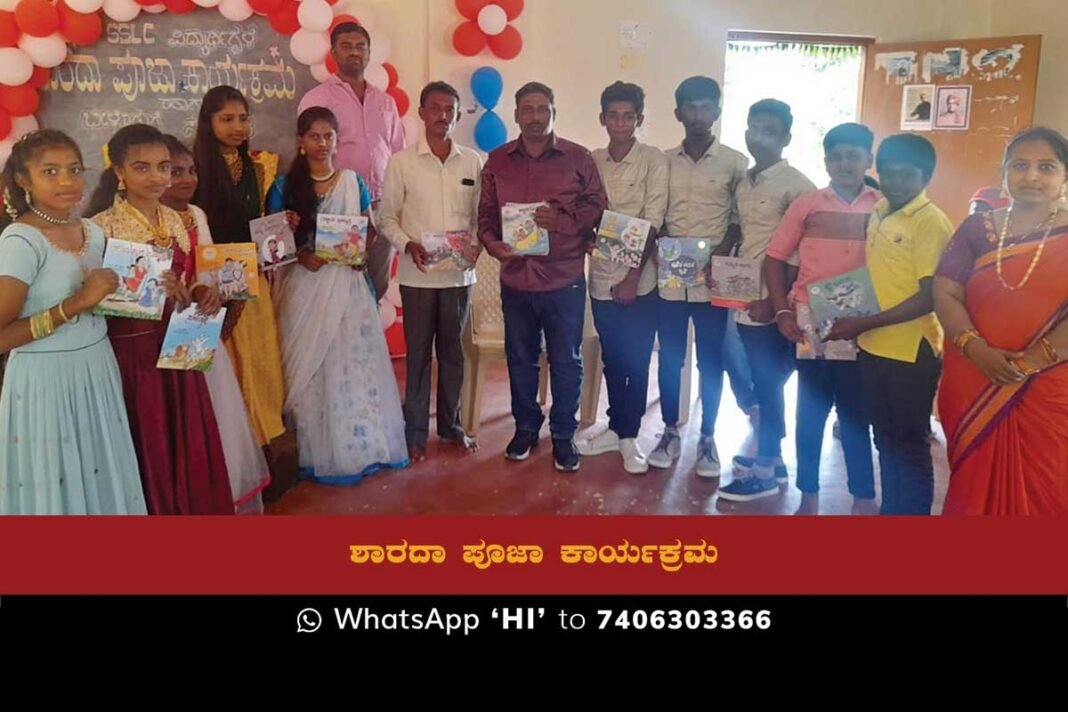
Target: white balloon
[(377, 75), (309, 47), (320, 72), (206, 3), (155, 9), (85, 6), (380, 49), (16, 67), (235, 10), (22, 125), (315, 15), (5, 148), (47, 51), (387, 314), (393, 295), (492, 19), (121, 10)]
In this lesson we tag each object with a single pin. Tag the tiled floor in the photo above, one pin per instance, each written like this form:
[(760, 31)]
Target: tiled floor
[(452, 482)]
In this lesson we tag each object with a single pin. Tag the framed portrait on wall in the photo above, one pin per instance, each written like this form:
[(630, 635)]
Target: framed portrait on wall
[(953, 107), (917, 102)]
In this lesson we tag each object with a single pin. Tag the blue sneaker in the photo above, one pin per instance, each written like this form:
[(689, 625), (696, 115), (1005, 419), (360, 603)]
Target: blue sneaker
[(744, 466), (749, 488)]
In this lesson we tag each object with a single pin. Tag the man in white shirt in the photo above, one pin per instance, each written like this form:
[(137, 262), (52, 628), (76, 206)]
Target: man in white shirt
[(703, 175), (623, 298), (430, 199)]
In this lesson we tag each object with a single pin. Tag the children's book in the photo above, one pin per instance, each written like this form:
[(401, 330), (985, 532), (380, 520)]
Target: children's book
[(519, 230), (682, 261), (231, 268), (445, 250), (274, 240), (621, 238), (341, 238), (191, 340), (845, 295), (140, 268), (735, 281)]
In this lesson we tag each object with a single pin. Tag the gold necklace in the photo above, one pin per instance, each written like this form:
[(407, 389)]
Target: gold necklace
[(1038, 252), (158, 231)]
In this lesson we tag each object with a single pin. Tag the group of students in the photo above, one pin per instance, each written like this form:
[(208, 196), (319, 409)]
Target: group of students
[(90, 425), (88, 422)]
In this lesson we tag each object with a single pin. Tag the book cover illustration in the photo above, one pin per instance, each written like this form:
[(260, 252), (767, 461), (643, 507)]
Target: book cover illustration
[(519, 230), (814, 347), (621, 238), (445, 250), (140, 268), (230, 268), (682, 261), (274, 240), (735, 281), (845, 295), (191, 340), (341, 239)]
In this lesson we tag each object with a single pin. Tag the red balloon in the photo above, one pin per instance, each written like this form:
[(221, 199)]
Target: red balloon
[(19, 101), (78, 28), (331, 63), (285, 20), (40, 77), (392, 72), (9, 31), (180, 7), (265, 7), (5, 124), (508, 44), (36, 17), (401, 98), (344, 17), (468, 39), (470, 8), (146, 3), (512, 8)]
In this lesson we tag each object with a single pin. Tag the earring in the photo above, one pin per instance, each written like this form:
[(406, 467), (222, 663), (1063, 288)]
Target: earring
[(11, 210), (301, 150), (29, 199), (122, 185)]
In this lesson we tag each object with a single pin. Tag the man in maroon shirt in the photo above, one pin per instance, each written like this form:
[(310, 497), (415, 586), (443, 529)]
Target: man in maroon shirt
[(543, 295)]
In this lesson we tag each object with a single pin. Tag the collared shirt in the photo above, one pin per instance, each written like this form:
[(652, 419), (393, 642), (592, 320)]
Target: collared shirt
[(701, 201), (422, 195), (762, 202), (826, 234), (904, 246), (369, 132), (637, 186), (565, 177)]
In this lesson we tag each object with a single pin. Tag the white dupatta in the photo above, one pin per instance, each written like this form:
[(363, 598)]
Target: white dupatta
[(312, 303)]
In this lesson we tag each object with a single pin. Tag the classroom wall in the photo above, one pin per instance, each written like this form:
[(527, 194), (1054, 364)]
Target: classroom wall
[(1050, 19)]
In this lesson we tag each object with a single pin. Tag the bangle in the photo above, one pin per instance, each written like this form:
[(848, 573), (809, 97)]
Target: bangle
[(41, 324), (965, 337), (67, 319), (783, 311), (1051, 353), (1024, 367)]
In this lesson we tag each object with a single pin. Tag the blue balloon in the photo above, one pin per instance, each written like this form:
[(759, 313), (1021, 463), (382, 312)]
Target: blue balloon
[(487, 86), (490, 132)]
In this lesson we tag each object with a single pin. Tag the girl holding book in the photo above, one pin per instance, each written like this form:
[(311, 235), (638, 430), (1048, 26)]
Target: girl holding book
[(341, 392), (231, 189), (65, 445), (245, 462), (171, 416)]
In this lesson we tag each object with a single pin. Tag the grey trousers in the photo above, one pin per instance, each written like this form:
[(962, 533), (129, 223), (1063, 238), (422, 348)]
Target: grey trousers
[(434, 321)]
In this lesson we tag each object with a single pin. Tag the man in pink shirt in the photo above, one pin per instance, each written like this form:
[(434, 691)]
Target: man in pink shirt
[(823, 235), (369, 126)]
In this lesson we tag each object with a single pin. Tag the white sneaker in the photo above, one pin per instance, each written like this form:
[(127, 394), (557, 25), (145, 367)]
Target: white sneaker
[(707, 457), (634, 460), (667, 450), (607, 441)]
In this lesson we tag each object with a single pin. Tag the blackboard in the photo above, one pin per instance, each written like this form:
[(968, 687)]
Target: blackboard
[(156, 69)]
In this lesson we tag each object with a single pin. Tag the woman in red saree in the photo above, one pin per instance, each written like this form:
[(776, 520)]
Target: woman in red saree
[(1002, 295)]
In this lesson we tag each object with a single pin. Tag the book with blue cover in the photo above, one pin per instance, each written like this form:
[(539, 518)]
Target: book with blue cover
[(682, 261), (191, 340), (140, 267), (519, 230), (341, 239), (845, 295)]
